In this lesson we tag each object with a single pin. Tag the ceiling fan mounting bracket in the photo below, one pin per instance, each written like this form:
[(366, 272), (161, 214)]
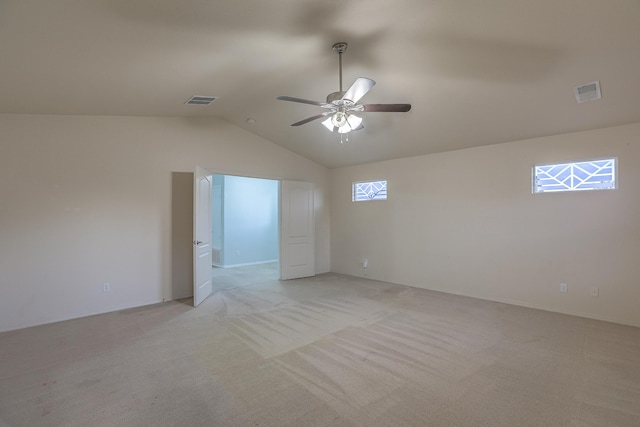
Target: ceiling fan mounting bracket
[(340, 47)]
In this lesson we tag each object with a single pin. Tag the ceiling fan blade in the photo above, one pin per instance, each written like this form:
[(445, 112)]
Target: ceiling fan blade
[(358, 89), (302, 101), (310, 119), (390, 108)]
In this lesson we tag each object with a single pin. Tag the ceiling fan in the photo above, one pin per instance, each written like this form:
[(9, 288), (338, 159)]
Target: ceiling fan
[(342, 105)]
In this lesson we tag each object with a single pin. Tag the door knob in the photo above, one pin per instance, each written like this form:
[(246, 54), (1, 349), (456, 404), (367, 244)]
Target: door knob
[(196, 242)]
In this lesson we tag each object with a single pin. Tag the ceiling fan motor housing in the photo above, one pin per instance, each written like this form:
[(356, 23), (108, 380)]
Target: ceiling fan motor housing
[(335, 96)]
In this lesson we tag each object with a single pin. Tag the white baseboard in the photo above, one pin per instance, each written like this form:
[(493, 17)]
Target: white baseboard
[(246, 264)]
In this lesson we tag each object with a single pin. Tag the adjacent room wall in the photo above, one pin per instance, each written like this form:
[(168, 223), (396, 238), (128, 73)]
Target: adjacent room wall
[(217, 219), (250, 221), (86, 200), (466, 222)]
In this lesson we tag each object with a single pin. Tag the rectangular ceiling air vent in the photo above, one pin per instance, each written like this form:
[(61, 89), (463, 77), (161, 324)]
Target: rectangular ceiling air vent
[(201, 100), (588, 92)]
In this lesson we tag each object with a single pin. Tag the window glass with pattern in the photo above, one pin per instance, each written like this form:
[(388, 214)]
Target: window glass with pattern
[(575, 176), (369, 190)]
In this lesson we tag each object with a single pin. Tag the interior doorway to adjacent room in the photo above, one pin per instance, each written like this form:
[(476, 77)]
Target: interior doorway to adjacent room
[(245, 230)]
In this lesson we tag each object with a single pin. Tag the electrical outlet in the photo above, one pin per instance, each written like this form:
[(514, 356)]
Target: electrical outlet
[(106, 287), (365, 263), (594, 292), (564, 288)]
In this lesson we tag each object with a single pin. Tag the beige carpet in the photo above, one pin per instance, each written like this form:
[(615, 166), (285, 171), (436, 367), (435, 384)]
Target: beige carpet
[(326, 351), (224, 278)]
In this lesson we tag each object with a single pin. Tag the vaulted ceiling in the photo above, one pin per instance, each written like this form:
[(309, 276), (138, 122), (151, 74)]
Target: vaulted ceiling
[(477, 72)]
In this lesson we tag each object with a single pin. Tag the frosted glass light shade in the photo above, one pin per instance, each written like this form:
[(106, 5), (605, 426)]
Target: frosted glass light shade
[(349, 122), (339, 119), (328, 124), (354, 121)]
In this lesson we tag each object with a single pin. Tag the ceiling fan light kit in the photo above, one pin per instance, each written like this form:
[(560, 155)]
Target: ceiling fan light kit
[(342, 105)]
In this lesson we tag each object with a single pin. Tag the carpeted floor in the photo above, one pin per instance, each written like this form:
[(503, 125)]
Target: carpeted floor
[(224, 278), (325, 351)]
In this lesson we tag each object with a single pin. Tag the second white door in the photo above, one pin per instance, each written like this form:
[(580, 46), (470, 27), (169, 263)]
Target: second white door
[(297, 230)]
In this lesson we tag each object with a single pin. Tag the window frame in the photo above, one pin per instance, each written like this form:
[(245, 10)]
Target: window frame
[(614, 177), (369, 181)]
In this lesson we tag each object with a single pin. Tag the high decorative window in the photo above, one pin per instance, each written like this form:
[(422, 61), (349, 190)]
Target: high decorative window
[(369, 190), (575, 176)]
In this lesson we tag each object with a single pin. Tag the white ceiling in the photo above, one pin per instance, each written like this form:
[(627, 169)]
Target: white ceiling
[(477, 72)]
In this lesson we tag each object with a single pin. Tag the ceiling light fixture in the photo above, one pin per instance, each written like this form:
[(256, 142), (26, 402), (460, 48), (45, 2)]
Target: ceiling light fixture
[(342, 122)]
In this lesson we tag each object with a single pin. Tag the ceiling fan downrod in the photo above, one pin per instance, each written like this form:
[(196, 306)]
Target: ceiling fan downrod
[(340, 48)]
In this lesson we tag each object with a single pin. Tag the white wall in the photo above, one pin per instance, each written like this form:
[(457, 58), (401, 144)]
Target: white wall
[(92, 199), (465, 222)]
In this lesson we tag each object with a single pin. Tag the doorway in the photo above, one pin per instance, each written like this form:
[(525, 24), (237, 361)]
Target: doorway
[(245, 230), (295, 233)]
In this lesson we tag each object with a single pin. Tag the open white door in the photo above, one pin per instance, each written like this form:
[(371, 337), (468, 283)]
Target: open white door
[(297, 230), (202, 269)]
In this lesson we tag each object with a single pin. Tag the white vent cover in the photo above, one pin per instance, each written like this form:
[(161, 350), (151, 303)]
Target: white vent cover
[(588, 92), (201, 100)]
